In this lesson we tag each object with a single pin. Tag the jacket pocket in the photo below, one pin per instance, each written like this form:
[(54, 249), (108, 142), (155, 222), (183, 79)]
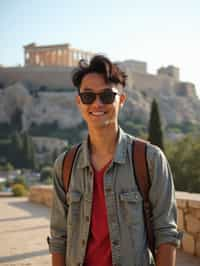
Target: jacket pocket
[(74, 201), (131, 204), (74, 196)]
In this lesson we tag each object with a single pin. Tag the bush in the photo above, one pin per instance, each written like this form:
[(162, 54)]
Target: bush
[(48, 181), (6, 167), (46, 173), (19, 190), (20, 180), (1, 187)]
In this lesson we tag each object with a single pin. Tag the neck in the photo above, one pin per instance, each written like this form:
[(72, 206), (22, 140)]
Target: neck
[(103, 142)]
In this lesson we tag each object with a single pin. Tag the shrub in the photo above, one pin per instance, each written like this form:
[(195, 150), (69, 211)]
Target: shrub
[(19, 190), (1, 186), (48, 181), (46, 173), (20, 180)]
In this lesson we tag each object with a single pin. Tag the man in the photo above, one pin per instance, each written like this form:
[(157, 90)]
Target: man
[(99, 222)]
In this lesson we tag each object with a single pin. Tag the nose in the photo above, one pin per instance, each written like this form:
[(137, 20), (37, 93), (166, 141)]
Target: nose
[(97, 101)]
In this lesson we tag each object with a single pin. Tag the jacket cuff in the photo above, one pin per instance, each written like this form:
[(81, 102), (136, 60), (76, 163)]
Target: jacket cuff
[(57, 245), (173, 238)]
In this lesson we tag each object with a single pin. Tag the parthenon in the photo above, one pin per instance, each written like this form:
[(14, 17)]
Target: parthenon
[(53, 55)]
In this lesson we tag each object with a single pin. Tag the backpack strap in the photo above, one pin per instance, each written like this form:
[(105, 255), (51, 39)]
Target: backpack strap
[(67, 166), (139, 150)]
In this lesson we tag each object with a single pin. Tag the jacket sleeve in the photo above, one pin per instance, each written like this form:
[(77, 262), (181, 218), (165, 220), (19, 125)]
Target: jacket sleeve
[(58, 218), (162, 198)]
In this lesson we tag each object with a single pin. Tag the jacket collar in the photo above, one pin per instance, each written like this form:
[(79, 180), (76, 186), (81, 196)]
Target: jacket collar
[(120, 153)]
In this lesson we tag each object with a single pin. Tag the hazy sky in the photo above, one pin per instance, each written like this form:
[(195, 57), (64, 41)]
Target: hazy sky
[(159, 32)]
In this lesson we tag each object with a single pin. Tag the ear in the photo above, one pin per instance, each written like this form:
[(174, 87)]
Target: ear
[(122, 99), (78, 100)]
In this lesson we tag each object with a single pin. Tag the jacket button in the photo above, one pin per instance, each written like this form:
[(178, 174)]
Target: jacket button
[(108, 189), (115, 242), (87, 218), (83, 242)]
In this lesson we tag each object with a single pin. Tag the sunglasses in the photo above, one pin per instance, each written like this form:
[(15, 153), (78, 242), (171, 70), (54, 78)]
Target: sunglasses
[(106, 97)]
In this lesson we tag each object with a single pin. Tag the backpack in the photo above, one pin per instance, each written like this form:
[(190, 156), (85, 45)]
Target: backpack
[(139, 148)]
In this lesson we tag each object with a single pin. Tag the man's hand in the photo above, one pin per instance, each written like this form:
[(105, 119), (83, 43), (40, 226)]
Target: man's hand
[(166, 255)]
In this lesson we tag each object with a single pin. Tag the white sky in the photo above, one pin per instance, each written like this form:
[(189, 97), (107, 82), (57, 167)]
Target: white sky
[(159, 32)]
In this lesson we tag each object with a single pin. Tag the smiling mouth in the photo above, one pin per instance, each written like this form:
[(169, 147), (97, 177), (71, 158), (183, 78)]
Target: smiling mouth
[(97, 113)]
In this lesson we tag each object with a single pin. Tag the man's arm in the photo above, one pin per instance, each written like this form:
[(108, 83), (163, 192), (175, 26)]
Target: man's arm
[(162, 198), (58, 220), (166, 255), (58, 259)]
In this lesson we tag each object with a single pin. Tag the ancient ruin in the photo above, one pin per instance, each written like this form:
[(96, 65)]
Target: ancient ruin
[(53, 55)]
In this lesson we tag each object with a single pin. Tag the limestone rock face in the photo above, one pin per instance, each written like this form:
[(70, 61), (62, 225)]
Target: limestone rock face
[(60, 107), (12, 98), (51, 107)]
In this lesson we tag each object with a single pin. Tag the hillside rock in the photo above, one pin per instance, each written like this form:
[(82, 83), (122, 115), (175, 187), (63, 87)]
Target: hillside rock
[(49, 107)]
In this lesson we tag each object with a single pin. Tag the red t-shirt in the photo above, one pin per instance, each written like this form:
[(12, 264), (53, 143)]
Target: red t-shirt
[(98, 251)]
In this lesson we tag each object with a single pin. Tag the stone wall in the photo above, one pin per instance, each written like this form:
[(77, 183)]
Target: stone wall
[(189, 221), (60, 77), (53, 77), (188, 215), (41, 194)]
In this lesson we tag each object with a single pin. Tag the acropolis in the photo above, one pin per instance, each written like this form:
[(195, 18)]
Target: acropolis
[(54, 55)]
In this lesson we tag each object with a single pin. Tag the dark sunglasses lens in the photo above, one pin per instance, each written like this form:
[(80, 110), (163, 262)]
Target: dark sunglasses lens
[(107, 97), (87, 97)]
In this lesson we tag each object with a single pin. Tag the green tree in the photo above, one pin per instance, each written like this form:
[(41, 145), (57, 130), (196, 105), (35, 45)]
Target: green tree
[(183, 157), (46, 174), (16, 149), (155, 133), (28, 152), (55, 154), (16, 119)]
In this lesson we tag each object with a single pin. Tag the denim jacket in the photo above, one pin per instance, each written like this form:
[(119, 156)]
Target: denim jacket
[(71, 211)]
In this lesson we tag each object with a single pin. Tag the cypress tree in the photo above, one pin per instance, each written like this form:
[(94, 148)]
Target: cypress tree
[(28, 152), (155, 127), (16, 150), (16, 120)]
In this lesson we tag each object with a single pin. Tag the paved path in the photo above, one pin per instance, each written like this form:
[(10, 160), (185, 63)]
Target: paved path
[(24, 227), (23, 230)]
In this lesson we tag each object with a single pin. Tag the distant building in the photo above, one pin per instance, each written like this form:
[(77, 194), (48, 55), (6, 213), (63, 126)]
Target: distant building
[(135, 66), (53, 55), (51, 66), (170, 71)]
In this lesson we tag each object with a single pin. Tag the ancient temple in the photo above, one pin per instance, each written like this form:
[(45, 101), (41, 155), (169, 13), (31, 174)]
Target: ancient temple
[(53, 55)]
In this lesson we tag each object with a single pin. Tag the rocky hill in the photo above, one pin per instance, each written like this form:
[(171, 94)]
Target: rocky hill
[(49, 107), (41, 104)]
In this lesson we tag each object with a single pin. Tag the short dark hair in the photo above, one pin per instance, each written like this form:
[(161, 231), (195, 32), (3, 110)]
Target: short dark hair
[(101, 65)]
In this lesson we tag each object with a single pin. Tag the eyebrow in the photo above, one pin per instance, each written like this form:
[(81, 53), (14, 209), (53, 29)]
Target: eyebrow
[(90, 89)]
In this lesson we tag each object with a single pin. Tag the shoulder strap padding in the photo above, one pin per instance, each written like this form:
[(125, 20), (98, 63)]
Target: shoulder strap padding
[(140, 166), (67, 166)]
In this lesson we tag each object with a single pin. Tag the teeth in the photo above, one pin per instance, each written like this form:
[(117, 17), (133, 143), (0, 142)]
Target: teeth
[(97, 113)]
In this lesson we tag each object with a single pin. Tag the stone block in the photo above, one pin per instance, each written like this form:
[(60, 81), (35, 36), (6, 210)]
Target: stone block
[(195, 213), (180, 220), (188, 243), (181, 203), (198, 247), (192, 224), (194, 204)]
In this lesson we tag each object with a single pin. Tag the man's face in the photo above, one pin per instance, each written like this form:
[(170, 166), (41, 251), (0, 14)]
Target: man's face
[(98, 114)]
